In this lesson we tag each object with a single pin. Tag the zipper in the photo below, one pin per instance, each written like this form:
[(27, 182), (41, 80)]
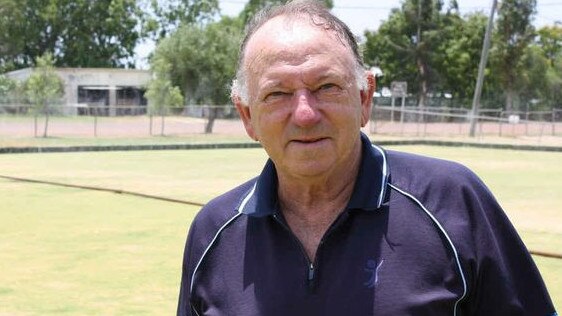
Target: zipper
[(311, 267)]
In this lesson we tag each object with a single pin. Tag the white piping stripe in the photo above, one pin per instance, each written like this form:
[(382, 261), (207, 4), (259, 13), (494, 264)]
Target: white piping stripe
[(247, 198), (384, 175), (457, 259), (209, 247), (242, 205)]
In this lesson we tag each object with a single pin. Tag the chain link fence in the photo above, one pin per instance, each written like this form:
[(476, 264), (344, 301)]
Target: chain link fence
[(93, 120), (446, 121)]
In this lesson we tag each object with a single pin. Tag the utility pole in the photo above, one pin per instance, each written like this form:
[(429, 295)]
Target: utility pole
[(481, 68)]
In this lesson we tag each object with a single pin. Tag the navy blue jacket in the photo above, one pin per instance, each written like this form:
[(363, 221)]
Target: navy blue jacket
[(419, 236)]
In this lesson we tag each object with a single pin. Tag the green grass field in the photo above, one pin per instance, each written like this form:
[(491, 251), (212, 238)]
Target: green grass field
[(66, 251)]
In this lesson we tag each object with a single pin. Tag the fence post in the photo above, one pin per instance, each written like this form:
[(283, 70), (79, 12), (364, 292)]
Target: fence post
[(501, 123), (553, 121), (392, 109), (526, 123), (402, 107), (424, 123)]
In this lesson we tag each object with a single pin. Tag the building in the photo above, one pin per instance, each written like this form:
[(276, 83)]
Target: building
[(99, 91)]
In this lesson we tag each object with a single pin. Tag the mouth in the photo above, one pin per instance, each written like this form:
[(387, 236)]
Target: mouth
[(309, 140)]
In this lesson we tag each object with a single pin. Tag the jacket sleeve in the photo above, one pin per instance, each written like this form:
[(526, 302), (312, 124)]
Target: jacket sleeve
[(188, 266), (504, 278)]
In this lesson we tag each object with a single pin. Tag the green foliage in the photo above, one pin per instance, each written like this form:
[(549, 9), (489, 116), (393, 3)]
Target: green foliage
[(11, 36), (166, 16), (203, 59), (438, 50), (404, 46), (43, 88), (550, 40), (381, 49), (457, 55), (514, 32), (161, 94), (554, 83), (84, 33), (7, 86), (79, 33), (532, 82), (98, 33)]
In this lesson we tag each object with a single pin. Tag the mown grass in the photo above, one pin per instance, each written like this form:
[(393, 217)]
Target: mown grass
[(66, 251), (73, 252)]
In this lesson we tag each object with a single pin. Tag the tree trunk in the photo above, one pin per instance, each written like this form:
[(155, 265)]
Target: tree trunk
[(509, 96), (35, 125), (150, 125), (424, 85), (211, 120), (46, 107), (162, 125)]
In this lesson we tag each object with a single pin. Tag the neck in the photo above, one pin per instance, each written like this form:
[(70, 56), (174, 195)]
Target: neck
[(312, 198), (310, 206)]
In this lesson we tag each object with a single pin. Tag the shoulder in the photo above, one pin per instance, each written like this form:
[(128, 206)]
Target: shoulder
[(417, 174), (448, 190), (221, 209), (216, 215)]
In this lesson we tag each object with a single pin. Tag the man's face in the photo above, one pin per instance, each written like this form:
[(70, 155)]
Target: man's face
[(304, 105)]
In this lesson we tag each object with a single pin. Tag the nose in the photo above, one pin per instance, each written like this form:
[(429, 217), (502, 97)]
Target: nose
[(305, 110)]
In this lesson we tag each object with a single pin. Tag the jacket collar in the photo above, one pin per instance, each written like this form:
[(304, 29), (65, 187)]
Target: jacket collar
[(368, 192)]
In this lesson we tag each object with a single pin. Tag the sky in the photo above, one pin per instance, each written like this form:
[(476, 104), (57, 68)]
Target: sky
[(361, 15), (368, 14)]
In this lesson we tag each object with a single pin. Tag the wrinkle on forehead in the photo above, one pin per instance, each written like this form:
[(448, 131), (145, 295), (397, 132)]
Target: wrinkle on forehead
[(284, 31)]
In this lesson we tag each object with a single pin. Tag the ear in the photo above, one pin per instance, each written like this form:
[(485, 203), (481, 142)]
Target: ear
[(367, 98), (245, 115)]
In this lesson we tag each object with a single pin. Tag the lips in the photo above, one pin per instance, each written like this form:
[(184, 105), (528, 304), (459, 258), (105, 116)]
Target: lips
[(309, 140)]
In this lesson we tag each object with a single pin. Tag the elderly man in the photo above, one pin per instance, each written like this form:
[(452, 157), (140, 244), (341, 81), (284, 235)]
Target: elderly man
[(334, 225)]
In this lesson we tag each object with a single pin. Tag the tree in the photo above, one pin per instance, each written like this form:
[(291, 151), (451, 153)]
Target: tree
[(203, 60), (554, 82), (407, 41), (11, 36), (78, 33), (42, 88), (161, 94), (457, 55), (11, 94), (7, 86), (514, 32), (542, 65), (550, 41), (164, 17)]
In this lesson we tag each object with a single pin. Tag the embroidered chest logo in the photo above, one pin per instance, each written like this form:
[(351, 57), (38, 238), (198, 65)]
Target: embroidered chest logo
[(372, 269)]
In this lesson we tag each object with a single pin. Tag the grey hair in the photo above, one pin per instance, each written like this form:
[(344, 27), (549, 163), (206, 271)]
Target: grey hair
[(319, 16)]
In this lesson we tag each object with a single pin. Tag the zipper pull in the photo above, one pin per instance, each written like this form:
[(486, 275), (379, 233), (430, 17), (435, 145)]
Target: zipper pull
[(311, 272)]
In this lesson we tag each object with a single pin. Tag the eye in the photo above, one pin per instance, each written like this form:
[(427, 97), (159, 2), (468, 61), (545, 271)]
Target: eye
[(275, 95), (327, 86)]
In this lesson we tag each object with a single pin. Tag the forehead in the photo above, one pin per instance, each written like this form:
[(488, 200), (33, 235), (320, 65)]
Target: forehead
[(292, 41)]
